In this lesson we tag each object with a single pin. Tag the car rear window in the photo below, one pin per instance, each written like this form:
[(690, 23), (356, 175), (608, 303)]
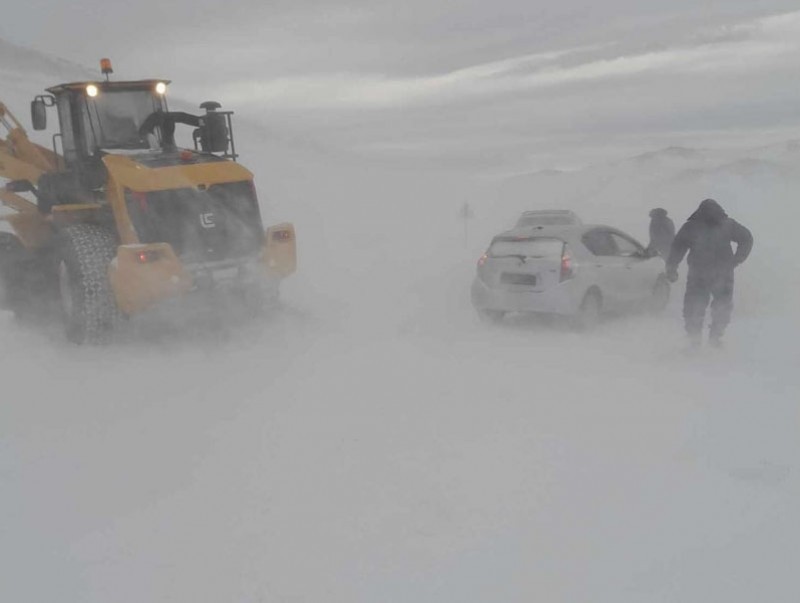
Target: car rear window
[(539, 247)]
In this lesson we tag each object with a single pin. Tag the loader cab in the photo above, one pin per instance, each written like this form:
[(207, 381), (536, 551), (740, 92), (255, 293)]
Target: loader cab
[(95, 118), (99, 118), (104, 117)]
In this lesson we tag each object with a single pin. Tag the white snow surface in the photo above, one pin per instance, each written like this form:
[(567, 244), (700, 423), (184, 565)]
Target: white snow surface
[(373, 441)]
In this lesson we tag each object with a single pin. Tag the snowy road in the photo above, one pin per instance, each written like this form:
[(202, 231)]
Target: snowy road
[(364, 451)]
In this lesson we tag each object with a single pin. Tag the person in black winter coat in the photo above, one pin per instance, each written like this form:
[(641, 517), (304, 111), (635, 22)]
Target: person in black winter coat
[(707, 236), (662, 232)]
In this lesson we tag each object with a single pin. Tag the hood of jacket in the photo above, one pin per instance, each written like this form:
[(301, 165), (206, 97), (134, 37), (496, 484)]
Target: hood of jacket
[(709, 212)]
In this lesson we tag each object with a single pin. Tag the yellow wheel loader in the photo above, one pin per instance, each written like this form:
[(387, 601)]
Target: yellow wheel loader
[(120, 219)]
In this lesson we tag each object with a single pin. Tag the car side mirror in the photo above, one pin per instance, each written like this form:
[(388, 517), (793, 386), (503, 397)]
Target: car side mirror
[(39, 114)]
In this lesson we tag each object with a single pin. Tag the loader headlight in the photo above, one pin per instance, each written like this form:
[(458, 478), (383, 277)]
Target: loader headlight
[(91, 90), (161, 88)]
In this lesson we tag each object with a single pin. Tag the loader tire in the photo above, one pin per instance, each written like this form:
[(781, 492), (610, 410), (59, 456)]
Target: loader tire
[(12, 294), (88, 307), (494, 317)]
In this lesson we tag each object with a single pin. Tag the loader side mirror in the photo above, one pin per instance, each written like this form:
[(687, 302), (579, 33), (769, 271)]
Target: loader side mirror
[(20, 186), (39, 114)]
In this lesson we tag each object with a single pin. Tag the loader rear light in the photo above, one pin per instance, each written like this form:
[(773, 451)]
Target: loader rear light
[(91, 90), (282, 236), (161, 88), (148, 256)]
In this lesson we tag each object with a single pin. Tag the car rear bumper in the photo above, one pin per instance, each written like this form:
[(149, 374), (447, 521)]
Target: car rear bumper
[(556, 300)]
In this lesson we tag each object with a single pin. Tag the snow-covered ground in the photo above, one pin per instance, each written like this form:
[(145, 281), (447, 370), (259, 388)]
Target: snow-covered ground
[(373, 441)]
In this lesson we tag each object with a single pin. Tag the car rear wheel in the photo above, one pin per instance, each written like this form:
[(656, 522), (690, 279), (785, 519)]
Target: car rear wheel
[(589, 313)]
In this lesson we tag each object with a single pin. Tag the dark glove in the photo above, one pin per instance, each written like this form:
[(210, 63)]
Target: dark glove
[(672, 275)]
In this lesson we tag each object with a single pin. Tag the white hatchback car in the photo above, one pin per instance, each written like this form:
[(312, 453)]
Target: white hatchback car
[(579, 271)]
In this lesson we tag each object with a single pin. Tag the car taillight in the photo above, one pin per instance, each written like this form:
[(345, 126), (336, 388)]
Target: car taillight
[(567, 269), (482, 260)]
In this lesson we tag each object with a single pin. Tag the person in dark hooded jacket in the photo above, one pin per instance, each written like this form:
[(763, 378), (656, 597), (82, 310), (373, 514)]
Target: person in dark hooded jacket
[(707, 236), (662, 232)]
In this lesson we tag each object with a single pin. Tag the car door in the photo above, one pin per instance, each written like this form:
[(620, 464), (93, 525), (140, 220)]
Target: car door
[(607, 265), (638, 271)]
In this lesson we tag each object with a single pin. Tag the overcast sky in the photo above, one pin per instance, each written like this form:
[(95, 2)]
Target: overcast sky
[(503, 86)]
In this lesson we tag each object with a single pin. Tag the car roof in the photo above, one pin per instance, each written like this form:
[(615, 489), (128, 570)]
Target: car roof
[(559, 231), (540, 212)]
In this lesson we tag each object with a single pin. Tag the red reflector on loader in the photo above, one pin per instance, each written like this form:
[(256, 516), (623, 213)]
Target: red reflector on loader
[(140, 199), (146, 257)]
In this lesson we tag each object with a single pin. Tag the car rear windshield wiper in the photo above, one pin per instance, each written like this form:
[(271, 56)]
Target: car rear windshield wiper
[(519, 256)]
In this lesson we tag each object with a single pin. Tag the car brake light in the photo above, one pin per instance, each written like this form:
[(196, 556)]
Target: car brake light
[(567, 269), (482, 260)]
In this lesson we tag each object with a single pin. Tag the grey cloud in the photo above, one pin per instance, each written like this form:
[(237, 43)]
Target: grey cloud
[(458, 81)]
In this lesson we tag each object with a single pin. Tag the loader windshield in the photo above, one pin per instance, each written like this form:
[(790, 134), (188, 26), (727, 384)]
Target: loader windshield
[(112, 118)]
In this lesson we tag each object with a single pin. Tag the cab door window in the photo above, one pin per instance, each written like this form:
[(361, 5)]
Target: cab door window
[(68, 145)]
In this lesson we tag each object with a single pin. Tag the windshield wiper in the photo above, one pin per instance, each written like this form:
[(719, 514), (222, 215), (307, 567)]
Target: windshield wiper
[(519, 256)]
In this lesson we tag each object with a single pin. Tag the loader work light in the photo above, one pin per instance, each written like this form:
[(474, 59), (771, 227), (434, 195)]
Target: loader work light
[(91, 90), (161, 88)]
